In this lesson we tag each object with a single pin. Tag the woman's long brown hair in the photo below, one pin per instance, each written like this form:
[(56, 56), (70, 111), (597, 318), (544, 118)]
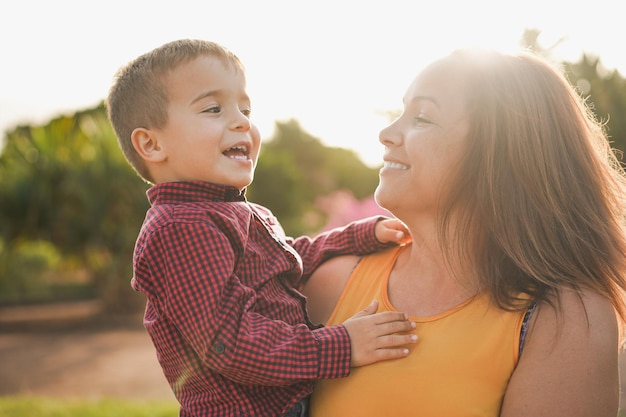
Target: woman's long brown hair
[(539, 201)]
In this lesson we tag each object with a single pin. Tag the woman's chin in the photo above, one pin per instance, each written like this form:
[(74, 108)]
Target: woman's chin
[(383, 198)]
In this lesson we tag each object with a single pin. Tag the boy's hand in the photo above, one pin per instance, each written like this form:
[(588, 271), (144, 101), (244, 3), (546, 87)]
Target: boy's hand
[(392, 230), (375, 336)]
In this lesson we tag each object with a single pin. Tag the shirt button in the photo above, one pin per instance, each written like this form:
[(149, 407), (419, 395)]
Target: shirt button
[(219, 348)]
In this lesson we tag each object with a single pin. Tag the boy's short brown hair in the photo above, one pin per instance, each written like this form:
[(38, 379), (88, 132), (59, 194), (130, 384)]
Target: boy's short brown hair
[(138, 96)]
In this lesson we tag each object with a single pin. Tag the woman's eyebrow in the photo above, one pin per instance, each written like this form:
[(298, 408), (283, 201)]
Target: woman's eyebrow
[(418, 99)]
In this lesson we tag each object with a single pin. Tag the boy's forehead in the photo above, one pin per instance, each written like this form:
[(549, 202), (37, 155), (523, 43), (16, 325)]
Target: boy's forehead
[(203, 72), (200, 64)]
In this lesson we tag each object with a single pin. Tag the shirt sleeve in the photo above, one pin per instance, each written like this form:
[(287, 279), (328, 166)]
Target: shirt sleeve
[(193, 264), (356, 238)]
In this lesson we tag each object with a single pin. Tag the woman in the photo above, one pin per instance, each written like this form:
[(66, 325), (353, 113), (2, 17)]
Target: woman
[(515, 273)]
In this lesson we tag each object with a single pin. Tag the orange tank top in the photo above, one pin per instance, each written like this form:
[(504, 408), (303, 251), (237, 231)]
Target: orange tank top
[(460, 365)]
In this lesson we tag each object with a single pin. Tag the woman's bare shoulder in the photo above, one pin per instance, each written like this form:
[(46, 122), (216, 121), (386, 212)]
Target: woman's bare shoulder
[(569, 365), (325, 285)]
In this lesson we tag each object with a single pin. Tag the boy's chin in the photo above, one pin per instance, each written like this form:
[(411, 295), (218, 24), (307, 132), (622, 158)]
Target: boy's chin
[(241, 185)]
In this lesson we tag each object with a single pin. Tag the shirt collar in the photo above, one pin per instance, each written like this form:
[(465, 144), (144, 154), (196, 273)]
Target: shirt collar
[(193, 191)]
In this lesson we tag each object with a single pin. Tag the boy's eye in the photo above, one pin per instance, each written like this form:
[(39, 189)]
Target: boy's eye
[(213, 109), (246, 112)]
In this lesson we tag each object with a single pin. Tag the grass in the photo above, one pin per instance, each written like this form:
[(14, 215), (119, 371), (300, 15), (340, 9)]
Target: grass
[(24, 406), (49, 407)]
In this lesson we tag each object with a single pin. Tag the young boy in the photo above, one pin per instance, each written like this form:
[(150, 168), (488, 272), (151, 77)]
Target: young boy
[(231, 332)]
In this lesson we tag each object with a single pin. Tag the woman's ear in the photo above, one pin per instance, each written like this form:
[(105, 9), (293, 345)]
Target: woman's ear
[(147, 145)]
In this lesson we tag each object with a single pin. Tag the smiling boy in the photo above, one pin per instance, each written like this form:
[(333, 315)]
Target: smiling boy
[(229, 326)]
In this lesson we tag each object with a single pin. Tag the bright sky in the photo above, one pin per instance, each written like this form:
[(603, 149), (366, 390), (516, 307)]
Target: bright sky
[(334, 65)]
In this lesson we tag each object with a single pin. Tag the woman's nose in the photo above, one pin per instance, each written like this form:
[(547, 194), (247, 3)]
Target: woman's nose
[(389, 136)]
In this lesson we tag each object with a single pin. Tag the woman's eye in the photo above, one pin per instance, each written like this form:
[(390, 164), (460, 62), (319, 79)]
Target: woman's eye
[(420, 119)]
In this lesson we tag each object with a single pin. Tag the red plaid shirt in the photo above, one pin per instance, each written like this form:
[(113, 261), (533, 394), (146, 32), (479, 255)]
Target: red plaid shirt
[(230, 331)]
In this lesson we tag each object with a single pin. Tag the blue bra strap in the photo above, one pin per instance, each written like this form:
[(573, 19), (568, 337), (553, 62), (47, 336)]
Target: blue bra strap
[(527, 316)]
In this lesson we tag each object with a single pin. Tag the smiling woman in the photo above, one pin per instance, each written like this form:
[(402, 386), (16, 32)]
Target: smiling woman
[(424, 144), (516, 272)]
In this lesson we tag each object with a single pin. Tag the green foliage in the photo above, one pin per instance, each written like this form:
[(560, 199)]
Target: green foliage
[(29, 262), (67, 193), (606, 94), (278, 185), (67, 183), (295, 168), (49, 407), (605, 91)]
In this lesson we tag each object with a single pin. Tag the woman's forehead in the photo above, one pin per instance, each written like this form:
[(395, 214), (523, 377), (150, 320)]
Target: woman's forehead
[(440, 83)]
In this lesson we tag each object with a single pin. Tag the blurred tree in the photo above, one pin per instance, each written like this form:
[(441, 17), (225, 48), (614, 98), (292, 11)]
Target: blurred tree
[(67, 183), (604, 90), (295, 168), (69, 201)]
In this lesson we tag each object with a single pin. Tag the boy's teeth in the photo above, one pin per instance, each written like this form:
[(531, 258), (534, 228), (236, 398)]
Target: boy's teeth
[(237, 152)]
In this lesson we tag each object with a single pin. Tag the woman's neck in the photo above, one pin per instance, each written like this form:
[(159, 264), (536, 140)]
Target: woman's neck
[(423, 283)]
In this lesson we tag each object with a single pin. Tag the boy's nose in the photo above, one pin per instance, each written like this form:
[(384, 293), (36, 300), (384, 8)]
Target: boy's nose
[(242, 123)]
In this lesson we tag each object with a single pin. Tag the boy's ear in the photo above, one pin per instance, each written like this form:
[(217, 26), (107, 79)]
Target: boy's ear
[(147, 145)]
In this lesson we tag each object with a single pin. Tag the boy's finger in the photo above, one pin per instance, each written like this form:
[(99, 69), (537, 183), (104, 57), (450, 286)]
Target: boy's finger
[(397, 326), (390, 341), (394, 353), (390, 316)]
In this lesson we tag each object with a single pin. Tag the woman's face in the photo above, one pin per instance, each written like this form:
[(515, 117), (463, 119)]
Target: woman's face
[(423, 145)]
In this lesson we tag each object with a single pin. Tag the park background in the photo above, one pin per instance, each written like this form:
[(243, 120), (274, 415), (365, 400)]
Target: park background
[(327, 77)]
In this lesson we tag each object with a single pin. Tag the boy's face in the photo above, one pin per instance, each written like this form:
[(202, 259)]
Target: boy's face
[(208, 136)]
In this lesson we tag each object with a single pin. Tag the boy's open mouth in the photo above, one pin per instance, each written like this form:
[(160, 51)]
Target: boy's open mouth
[(237, 152)]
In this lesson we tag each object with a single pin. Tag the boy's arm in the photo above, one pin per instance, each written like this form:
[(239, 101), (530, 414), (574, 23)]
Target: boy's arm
[(356, 238), (215, 313)]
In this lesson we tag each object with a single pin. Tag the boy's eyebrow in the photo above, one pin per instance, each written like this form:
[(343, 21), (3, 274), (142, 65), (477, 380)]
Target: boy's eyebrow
[(205, 95), (211, 93)]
